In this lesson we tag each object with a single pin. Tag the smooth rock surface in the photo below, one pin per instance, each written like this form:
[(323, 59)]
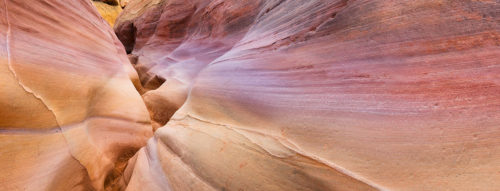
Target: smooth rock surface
[(109, 9), (250, 95), (70, 117), (317, 95)]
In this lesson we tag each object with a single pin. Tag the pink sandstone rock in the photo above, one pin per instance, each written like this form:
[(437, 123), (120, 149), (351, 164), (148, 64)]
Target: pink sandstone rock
[(250, 95), (317, 95)]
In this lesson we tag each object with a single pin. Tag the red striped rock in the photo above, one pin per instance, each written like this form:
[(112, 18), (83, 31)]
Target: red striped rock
[(250, 95), (317, 95)]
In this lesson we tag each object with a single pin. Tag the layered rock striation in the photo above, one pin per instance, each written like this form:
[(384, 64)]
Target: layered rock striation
[(250, 95), (317, 95)]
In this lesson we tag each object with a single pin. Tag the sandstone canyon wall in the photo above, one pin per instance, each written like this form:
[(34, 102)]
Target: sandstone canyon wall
[(250, 95), (70, 117), (109, 9), (317, 95)]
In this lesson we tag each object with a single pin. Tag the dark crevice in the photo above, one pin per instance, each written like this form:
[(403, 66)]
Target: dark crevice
[(127, 36), (109, 2), (114, 180)]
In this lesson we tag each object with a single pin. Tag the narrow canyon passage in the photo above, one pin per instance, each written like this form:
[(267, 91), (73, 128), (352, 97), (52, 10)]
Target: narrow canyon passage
[(249, 95)]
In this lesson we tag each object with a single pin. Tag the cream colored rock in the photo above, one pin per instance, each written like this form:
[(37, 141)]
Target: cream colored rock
[(70, 116), (124, 3), (255, 94), (320, 95)]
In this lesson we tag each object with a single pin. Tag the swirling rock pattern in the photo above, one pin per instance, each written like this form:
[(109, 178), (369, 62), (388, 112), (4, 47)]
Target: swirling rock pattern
[(317, 95), (70, 117), (250, 95)]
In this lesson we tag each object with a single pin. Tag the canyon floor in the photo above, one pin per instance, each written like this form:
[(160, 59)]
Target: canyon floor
[(233, 95)]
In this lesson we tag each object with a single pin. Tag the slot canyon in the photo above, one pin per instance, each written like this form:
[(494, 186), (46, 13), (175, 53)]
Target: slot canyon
[(250, 95)]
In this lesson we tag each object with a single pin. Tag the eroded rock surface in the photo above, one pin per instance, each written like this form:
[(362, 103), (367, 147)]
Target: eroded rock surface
[(317, 95), (250, 95), (70, 117), (109, 9)]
